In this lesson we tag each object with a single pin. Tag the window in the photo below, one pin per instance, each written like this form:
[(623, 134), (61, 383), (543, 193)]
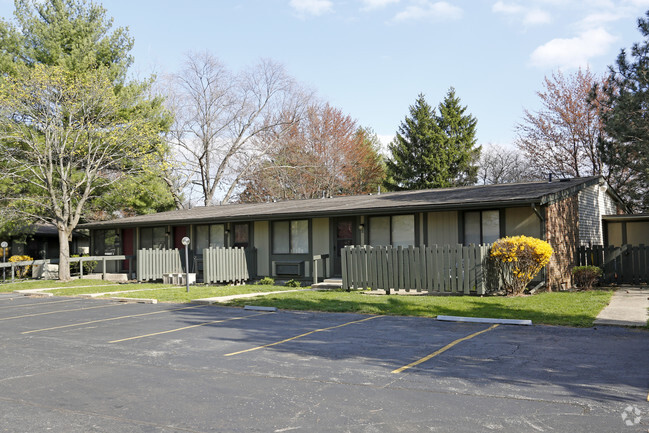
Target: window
[(380, 231), (153, 237), (397, 230), (291, 237), (403, 230), (209, 236), (241, 235), (481, 227), (105, 242)]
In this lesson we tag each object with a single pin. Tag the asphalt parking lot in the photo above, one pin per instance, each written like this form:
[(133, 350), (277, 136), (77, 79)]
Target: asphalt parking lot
[(74, 365)]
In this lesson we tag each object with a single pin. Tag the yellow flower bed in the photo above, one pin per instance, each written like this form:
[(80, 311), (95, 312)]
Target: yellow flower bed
[(21, 271)]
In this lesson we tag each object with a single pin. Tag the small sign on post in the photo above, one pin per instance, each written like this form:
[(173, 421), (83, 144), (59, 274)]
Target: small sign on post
[(4, 246), (185, 241)]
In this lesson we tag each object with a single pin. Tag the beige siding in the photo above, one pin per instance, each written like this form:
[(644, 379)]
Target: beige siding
[(522, 221), (442, 228), (637, 233), (614, 234), (321, 241), (261, 243)]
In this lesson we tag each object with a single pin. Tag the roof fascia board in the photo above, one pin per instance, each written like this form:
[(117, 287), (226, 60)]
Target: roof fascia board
[(552, 198), (318, 214)]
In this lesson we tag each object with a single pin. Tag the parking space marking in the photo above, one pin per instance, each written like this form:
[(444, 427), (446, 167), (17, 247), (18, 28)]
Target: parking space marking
[(37, 304), (300, 336), (443, 349), (187, 327), (110, 318), (60, 311)]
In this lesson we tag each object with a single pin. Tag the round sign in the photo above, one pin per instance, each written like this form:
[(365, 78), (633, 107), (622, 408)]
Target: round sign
[(185, 241), (4, 245)]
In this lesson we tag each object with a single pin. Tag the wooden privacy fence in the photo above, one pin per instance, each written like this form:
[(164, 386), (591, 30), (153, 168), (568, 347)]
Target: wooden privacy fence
[(151, 264), (225, 265), (625, 264), (445, 269)]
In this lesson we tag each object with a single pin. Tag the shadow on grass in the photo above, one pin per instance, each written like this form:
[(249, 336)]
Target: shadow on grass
[(553, 308)]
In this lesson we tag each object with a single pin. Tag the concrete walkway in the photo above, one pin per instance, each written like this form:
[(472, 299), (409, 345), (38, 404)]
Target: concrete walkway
[(629, 306), (218, 299)]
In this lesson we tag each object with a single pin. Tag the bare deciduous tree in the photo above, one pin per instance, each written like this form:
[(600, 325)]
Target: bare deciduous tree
[(562, 137), (225, 122), (501, 165)]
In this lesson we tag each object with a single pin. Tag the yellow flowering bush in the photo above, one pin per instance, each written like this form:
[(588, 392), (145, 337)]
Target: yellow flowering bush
[(518, 259), (21, 271)]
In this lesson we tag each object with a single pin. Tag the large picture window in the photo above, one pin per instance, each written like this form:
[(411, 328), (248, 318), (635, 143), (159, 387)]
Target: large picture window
[(209, 236), (397, 230), (291, 237), (153, 237), (481, 227), (105, 242)]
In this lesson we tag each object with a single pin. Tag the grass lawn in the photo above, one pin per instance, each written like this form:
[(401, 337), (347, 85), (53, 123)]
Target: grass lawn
[(71, 291), (179, 293), (564, 308), (46, 284)]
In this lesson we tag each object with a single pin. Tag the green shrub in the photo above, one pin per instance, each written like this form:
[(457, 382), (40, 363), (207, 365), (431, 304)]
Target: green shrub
[(585, 277), (293, 283), (518, 259), (88, 266), (266, 281)]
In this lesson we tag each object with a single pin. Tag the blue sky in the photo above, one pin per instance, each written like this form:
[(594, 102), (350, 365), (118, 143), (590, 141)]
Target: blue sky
[(371, 58)]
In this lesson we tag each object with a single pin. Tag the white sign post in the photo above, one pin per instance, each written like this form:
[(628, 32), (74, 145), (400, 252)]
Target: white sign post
[(4, 246), (185, 241)]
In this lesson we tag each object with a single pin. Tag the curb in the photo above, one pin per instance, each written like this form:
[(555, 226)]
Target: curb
[(485, 320), (135, 300)]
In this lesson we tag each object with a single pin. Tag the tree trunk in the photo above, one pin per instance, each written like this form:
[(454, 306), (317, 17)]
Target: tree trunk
[(64, 255)]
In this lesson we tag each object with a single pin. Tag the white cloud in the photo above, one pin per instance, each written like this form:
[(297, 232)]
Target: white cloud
[(506, 8), (536, 17), (376, 4), (573, 52), (427, 10), (528, 16), (312, 7)]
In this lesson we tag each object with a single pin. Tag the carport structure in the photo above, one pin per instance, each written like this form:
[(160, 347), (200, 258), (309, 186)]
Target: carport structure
[(73, 365)]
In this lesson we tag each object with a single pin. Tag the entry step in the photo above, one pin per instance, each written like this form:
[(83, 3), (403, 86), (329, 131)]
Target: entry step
[(328, 284)]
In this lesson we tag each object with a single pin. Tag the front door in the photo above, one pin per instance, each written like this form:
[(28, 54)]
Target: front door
[(343, 231)]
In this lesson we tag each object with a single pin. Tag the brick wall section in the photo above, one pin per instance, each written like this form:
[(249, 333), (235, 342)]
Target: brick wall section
[(562, 232)]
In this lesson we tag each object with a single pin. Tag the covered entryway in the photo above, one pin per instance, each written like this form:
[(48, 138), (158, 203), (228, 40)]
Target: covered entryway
[(343, 234)]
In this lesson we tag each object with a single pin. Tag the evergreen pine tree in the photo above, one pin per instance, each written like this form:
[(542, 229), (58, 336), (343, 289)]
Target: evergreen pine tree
[(626, 148), (433, 151), (412, 161), (459, 145)]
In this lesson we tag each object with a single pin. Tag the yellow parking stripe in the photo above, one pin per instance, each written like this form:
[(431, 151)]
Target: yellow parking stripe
[(110, 319), (187, 327), (59, 311), (299, 336), (443, 349)]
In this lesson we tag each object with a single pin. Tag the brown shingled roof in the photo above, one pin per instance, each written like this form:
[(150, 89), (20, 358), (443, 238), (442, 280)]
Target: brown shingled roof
[(480, 196)]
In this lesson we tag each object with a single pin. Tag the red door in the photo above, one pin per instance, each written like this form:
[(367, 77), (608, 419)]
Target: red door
[(128, 248), (179, 233)]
